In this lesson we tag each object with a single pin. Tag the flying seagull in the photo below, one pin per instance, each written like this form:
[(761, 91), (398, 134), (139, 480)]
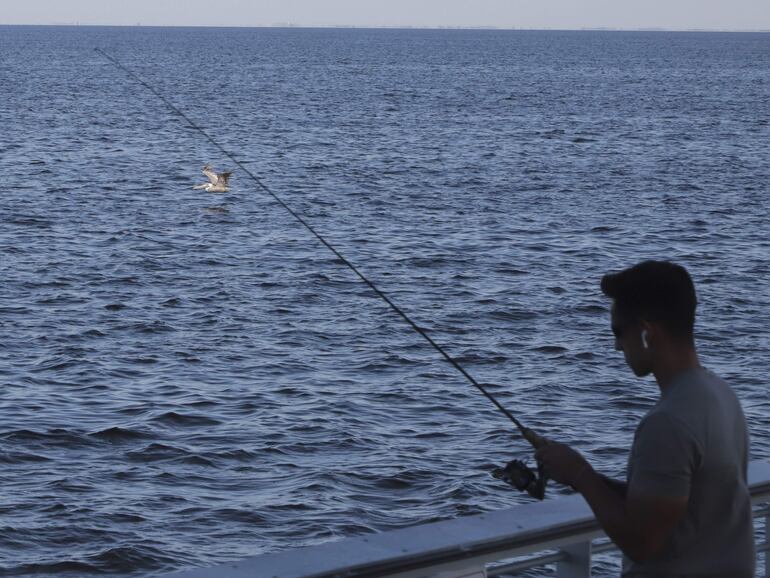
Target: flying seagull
[(218, 181)]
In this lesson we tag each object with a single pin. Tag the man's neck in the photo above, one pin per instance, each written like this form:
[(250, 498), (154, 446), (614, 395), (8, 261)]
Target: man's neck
[(673, 360)]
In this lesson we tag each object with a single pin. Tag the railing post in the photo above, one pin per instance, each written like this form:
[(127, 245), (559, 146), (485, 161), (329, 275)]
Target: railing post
[(767, 541), (577, 561)]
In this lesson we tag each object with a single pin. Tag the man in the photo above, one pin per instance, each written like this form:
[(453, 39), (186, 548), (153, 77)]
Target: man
[(685, 509)]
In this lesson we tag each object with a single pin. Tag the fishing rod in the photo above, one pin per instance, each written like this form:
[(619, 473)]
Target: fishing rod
[(516, 472)]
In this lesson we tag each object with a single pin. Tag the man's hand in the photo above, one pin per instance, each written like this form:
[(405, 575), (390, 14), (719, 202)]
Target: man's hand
[(639, 524), (561, 463)]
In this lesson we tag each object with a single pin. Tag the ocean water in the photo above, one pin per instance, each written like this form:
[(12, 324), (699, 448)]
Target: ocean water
[(190, 378)]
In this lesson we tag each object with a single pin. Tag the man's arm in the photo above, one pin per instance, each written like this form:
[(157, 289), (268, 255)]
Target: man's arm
[(618, 486), (638, 524)]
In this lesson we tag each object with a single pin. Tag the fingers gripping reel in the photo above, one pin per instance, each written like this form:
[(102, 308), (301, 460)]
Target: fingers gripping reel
[(519, 475)]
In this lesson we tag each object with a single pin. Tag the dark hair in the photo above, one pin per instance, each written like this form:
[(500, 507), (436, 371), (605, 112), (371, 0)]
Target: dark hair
[(657, 291)]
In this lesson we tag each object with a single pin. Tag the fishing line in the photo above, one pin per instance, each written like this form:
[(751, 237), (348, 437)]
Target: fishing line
[(528, 434)]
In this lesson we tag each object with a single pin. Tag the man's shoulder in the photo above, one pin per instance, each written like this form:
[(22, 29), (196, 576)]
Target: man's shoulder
[(699, 401), (698, 377), (663, 420), (695, 390)]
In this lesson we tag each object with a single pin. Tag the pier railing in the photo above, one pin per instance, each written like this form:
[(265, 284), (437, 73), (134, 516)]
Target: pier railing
[(561, 532)]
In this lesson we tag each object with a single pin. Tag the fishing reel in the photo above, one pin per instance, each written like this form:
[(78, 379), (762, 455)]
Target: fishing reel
[(519, 475)]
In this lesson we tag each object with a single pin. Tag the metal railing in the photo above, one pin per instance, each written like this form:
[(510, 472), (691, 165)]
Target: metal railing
[(568, 565), (469, 547)]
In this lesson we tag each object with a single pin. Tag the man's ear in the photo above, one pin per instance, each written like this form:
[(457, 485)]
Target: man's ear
[(647, 331)]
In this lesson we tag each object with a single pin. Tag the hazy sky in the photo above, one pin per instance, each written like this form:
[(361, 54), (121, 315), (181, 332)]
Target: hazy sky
[(677, 14)]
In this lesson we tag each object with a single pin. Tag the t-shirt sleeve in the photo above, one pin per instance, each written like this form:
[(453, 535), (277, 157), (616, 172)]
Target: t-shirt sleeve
[(663, 458)]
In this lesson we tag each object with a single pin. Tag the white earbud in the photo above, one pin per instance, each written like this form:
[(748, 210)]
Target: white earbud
[(645, 344)]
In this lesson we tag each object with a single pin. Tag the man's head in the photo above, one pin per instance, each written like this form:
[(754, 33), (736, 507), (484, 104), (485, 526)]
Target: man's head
[(653, 306)]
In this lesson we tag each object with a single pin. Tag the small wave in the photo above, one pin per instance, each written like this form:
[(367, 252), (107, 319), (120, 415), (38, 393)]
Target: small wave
[(475, 358), (27, 221), (120, 281), (510, 271), (152, 327), (178, 419), (590, 309), (628, 403), (431, 435), (426, 262), (513, 314), (122, 518), (292, 506), (50, 569), (157, 452), (688, 187), (55, 508), (549, 349), (286, 450), (126, 559), (119, 435), (55, 284), (66, 485), (585, 356), (21, 458), (202, 403), (146, 360), (57, 364), (54, 437), (291, 391), (238, 515), (552, 133), (724, 211), (92, 333), (394, 483), (187, 357), (14, 310), (195, 460), (235, 455)]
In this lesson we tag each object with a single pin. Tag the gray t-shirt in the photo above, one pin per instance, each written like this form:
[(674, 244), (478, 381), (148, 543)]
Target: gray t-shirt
[(694, 443)]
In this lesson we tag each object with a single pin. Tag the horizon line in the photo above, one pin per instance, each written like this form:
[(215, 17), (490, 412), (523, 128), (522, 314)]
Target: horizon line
[(289, 25)]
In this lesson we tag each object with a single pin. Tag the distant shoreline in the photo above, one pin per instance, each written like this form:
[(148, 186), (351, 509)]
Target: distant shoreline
[(352, 27)]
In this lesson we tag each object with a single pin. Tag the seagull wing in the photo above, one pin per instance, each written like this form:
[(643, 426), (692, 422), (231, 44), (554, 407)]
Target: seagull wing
[(211, 175), (223, 178)]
